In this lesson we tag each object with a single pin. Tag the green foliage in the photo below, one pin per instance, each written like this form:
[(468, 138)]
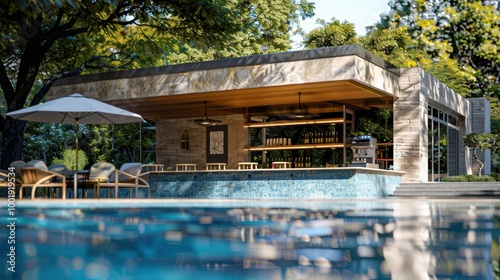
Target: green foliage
[(69, 159), (398, 48), (392, 45), (267, 29), (377, 123), (47, 40), (466, 31), (482, 142), (469, 178), (461, 178), (478, 178), (496, 176), (334, 33)]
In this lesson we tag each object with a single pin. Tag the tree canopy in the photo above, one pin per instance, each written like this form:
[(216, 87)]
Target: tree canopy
[(42, 41), (464, 30), (333, 33)]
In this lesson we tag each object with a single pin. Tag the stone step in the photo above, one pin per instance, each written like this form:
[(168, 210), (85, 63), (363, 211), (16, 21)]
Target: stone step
[(438, 193), (449, 189)]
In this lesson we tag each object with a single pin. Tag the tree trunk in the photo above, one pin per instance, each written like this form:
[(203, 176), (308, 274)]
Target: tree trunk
[(481, 164), (12, 141)]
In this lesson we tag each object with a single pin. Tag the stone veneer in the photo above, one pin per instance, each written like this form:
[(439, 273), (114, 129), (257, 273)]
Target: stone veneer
[(418, 90), (168, 141), (315, 183)]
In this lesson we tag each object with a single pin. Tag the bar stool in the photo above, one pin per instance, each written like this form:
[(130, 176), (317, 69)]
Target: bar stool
[(185, 166), (247, 165), (216, 166), (281, 164)]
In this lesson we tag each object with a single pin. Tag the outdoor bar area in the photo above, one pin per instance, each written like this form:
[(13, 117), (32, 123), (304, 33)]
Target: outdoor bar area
[(286, 125)]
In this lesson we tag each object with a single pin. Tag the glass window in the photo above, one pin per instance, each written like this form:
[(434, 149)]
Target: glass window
[(443, 143)]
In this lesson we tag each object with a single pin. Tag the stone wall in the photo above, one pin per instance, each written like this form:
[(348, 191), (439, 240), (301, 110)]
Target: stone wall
[(169, 134), (410, 128)]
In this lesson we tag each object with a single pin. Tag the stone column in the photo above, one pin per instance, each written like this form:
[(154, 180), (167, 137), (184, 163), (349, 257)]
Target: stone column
[(481, 123), (410, 128)]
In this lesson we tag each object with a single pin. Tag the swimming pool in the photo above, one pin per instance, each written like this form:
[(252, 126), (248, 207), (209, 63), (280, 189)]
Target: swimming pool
[(391, 238)]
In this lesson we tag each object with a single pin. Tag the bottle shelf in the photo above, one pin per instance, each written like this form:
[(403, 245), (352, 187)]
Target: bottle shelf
[(296, 147), (296, 122)]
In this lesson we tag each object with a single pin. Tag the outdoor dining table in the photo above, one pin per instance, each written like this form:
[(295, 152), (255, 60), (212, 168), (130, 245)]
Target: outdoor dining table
[(82, 177)]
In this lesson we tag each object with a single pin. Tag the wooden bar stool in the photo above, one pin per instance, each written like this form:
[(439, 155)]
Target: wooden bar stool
[(185, 166), (216, 166), (281, 164), (247, 165)]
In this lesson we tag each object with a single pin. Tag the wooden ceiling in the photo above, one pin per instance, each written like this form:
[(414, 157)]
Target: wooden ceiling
[(281, 100)]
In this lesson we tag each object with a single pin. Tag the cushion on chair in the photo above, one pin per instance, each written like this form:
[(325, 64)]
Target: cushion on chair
[(38, 164), (101, 171), (132, 168)]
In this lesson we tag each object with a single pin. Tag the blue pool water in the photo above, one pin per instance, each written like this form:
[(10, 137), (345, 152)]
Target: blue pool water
[(389, 238)]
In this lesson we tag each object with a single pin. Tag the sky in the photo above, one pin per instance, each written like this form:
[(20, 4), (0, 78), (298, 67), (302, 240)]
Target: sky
[(359, 12)]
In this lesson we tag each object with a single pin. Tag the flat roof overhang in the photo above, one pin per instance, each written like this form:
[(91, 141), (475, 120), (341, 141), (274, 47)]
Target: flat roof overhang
[(266, 101), (257, 85)]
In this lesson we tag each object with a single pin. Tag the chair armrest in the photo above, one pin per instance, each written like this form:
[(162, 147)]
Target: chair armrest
[(33, 175), (128, 177)]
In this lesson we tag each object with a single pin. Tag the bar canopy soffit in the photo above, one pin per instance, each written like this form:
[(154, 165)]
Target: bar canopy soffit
[(255, 89)]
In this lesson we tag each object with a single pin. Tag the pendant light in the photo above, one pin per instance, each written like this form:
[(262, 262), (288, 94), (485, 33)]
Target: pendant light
[(299, 114), (205, 121)]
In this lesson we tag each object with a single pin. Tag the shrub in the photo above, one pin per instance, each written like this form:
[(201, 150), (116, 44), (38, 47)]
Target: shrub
[(69, 159), (454, 179), (496, 176), (476, 178)]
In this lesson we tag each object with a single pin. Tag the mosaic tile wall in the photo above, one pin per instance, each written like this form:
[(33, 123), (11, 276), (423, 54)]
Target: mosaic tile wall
[(292, 183)]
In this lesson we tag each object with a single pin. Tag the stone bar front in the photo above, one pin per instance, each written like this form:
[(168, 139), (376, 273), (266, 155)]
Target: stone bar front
[(296, 183)]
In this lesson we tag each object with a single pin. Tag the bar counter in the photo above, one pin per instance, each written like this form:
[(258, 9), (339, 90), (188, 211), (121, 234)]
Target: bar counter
[(298, 183)]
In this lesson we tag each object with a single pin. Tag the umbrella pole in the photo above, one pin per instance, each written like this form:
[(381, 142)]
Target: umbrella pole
[(75, 179)]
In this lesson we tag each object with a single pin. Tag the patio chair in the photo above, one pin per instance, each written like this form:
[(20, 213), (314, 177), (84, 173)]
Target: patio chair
[(4, 181), (99, 173), (129, 176), (34, 178)]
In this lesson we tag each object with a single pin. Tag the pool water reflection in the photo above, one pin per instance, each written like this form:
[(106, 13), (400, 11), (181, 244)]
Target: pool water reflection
[(243, 239)]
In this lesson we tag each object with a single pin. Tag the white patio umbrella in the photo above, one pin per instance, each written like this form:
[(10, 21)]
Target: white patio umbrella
[(75, 108)]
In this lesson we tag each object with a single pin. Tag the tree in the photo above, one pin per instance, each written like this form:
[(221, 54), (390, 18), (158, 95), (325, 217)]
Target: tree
[(464, 30), (47, 40), (334, 33), (482, 142), (398, 48)]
